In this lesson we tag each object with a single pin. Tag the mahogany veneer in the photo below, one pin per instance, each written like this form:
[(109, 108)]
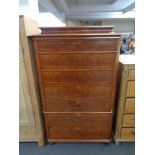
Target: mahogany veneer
[(77, 70)]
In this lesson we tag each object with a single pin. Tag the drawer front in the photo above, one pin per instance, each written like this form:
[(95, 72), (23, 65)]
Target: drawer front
[(97, 77), (131, 74), (72, 45), (128, 134), (78, 125), (90, 133), (77, 106), (130, 89), (129, 105), (77, 92), (128, 120), (77, 60)]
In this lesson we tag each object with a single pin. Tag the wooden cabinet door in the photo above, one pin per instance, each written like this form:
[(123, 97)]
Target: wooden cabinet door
[(27, 130)]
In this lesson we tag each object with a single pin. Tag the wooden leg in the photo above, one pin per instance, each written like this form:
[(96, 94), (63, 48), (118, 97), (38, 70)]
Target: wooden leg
[(41, 142)]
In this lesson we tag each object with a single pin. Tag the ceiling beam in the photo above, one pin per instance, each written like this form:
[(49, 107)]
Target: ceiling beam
[(129, 8), (80, 6), (41, 8), (62, 5), (50, 7)]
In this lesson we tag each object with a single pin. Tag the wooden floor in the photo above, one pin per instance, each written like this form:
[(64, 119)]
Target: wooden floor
[(77, 149)]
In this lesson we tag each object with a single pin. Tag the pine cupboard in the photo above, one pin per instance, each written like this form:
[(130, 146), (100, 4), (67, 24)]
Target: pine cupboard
[(77, 71), (30, 118), (124, 129)]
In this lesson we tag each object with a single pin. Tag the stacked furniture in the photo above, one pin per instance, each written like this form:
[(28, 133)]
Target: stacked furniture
[(125, 109), (77, 71), (30, 116)]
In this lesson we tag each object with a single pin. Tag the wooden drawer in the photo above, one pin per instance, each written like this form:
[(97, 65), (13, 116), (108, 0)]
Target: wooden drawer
[(77, 92), (78, 125), (75, 106), (128, 120), (79, 45), (73, 77), (129, 105), (130, 89), (128, 134), (77, 60), (131, 74)]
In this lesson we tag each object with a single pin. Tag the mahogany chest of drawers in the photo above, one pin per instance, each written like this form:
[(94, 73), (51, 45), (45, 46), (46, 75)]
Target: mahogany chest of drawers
[(77, 70)]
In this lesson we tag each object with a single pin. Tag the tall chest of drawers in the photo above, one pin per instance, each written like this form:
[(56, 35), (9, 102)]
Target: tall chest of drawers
[(77, 72)]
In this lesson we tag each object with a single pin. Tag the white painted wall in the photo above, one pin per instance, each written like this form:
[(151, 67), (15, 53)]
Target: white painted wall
[(49, 20), (30, 8), (121, 25)]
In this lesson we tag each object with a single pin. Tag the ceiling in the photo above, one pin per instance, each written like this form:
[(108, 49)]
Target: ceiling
[(88, 9)]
